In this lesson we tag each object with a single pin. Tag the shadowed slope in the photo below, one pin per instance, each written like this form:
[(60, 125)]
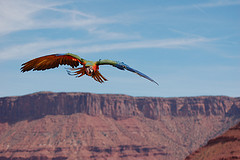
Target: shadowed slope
[(226, 146)]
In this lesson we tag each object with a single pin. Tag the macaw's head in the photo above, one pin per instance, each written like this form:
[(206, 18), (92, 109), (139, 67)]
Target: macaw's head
[(89, 71)]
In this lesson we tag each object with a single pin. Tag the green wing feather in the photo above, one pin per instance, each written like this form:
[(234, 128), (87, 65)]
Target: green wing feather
[(76, 56)]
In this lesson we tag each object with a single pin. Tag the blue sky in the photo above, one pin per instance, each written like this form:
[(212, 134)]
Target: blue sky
[(190, 48)]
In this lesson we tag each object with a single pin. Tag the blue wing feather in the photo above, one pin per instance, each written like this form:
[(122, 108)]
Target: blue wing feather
[(123, 66)]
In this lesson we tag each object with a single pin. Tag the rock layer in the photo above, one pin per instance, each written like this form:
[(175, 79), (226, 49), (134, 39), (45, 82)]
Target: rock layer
[(38, 105)]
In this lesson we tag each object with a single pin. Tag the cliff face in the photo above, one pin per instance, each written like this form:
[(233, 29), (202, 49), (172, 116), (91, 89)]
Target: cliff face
[(49, 125), (34, 106)]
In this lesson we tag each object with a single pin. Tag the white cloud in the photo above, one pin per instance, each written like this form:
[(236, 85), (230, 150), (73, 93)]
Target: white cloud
[(34, 48), (108, 35), (220, 3), (17, 15), (164, 43), (47, 47)]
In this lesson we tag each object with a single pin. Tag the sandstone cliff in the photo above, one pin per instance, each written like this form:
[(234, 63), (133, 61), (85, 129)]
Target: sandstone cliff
[(48, 125), (38, 105)]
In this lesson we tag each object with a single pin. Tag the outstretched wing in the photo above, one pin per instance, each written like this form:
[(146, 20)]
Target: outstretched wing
[(52, 61), (123, 66)]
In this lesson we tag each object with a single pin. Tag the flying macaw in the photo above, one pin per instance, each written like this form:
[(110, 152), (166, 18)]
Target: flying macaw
[(89, 68)]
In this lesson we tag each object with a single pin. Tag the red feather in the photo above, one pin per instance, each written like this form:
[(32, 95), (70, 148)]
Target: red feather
[(50, 61)]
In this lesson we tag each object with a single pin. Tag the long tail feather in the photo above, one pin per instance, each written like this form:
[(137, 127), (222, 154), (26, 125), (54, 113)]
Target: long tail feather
[(102, 76), (97, 76), (98, 79)]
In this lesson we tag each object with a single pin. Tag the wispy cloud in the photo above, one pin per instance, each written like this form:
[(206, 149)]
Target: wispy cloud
[(199, 6), (34, 48), (109, 35), (60, 46), (163, 43), (18, 15), (220, 3), (28, 15)]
